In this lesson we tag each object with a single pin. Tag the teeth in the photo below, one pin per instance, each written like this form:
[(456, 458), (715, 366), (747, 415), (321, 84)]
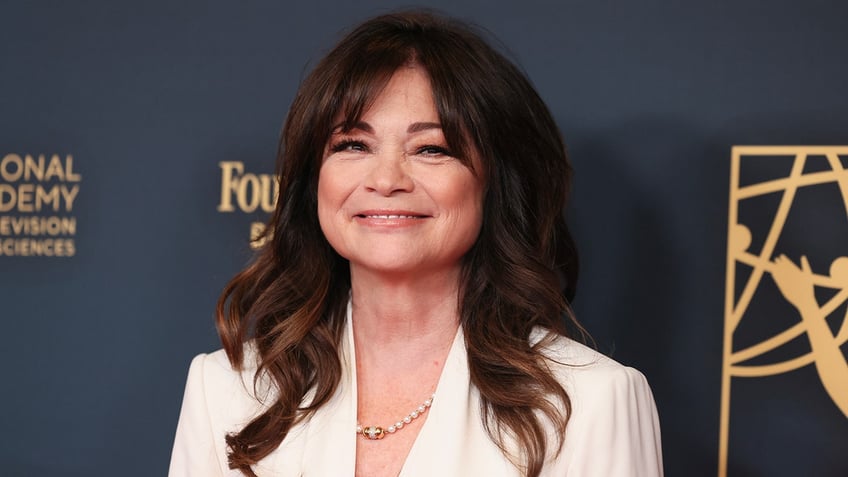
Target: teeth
[(390, 216)]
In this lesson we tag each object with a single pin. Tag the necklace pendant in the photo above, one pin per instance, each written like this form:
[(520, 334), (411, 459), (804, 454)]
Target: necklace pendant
[(373, 433)]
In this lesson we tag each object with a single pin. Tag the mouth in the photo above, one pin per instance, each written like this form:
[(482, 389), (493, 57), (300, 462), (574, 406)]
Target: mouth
[(389, 216)]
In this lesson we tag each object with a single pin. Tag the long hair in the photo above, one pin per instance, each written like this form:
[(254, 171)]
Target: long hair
[(519, 276)]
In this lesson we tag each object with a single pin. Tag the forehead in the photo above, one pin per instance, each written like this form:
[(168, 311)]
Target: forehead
[(406, 91)]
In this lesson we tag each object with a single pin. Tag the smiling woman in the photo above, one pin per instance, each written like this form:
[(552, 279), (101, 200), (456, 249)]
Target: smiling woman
[(391, 197), (409, 314)]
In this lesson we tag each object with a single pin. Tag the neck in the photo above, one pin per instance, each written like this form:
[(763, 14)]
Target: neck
[(412, 316)]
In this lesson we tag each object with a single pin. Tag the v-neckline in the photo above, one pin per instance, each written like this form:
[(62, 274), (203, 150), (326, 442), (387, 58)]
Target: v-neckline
[(451, 375)]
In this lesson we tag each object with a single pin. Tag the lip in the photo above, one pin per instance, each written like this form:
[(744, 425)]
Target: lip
[(389, 217), (390, 214)]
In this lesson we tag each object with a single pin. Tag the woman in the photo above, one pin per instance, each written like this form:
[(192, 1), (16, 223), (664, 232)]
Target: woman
[(410, 313)]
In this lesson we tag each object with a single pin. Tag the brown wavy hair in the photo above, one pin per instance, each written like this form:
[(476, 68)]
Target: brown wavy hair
[(520, 274)]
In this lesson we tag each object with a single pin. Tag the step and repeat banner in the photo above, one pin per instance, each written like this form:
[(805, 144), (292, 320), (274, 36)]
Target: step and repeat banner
[(710, 206)]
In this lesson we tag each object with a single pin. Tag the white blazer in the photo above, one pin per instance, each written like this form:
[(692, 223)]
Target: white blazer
[(613, 431)]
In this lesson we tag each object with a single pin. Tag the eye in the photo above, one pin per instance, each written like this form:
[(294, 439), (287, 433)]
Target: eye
[(431, 150), (352, 145)]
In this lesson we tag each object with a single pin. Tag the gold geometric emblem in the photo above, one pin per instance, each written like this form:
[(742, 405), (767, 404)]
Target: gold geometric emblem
[(769, 253)]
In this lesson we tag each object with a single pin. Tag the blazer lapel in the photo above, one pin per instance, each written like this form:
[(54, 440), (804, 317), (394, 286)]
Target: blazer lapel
[(331, 439), (452, 440)]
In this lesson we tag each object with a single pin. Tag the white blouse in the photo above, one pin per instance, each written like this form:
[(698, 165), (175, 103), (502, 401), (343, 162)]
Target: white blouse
[(613, 432)]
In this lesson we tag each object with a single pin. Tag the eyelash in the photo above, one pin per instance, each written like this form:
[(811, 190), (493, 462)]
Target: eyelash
[(429, 149), (347, 143), (435, 150)]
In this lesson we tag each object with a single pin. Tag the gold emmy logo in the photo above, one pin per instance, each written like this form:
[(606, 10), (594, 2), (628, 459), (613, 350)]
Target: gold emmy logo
[(763, 268), (247, 193)]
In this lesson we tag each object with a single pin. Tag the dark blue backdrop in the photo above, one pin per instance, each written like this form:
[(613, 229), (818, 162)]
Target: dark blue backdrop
[(149, 97)]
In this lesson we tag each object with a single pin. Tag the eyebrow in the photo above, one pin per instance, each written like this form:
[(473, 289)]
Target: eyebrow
[(418, 127), (413, 128)]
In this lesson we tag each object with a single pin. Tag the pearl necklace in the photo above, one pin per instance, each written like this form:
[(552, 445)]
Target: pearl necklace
[(375, 433)]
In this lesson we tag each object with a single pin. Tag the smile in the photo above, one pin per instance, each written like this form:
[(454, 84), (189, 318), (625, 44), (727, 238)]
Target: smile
[(389, 216)]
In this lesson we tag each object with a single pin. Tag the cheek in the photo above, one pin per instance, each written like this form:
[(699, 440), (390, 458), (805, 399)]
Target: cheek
[(334, 189), (476, 199), (331, 185), (475, 216), (472, 198), (328, 199), (467, 199)]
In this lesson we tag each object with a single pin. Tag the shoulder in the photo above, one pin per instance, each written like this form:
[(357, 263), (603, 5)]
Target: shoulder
[(218, 400), (613, 427), (231, 397), (216, 366), (582, 369)]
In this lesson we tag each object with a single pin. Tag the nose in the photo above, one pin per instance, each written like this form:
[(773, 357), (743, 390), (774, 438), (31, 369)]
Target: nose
[(388, 174)]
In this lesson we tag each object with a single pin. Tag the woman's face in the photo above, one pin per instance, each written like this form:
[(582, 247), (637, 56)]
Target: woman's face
[(391, 196)]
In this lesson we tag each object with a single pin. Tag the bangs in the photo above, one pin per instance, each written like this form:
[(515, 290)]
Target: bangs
[(365, 78)]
